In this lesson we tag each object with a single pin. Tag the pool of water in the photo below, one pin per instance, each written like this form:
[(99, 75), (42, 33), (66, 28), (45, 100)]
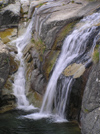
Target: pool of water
[(13, 123)]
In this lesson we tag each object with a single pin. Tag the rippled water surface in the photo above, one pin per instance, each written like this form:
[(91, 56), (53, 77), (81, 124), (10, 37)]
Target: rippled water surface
[(13, 123)]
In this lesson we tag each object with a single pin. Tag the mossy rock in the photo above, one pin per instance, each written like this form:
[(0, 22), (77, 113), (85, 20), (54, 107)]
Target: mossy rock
[(40, 47), (49, 62), (35, 98), (14, 64), (7, 34), (95, 56), (62, 34), (7, 108)]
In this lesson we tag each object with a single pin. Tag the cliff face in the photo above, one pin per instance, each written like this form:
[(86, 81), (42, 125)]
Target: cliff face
[(90, 111), (90, 115)]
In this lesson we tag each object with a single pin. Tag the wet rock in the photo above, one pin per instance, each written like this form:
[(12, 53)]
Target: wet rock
[(38, 83), (7, 102)]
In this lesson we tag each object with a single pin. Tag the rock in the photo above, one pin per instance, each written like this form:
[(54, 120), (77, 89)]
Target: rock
[(25, 6), (52, 16), (8, 34), (4, 65), (90, 112), (7, 103), (8, 66), (10, 15), (33, 5), (75, 70), (35, 98), (73, 104), (38, 82), (53, 21), (14, 64)]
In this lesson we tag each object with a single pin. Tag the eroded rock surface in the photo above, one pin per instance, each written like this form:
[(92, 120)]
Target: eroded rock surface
[(90, 115)]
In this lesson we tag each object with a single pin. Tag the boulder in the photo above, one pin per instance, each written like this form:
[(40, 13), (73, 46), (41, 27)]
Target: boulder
[(38, 82), (10, 15)]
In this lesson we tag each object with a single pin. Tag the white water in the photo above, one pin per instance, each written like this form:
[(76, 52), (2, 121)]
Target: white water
[(74, 45), (19, 80)]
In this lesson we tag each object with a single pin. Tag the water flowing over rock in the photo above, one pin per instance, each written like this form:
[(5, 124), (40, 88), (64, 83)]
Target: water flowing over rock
[(74, 48), (19, 80)]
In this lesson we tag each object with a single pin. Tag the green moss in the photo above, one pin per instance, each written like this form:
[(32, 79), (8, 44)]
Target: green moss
[(40, 47), (63, 33), (41, 4), (95, 56), (5, 35), (72, 1), (50, 60)]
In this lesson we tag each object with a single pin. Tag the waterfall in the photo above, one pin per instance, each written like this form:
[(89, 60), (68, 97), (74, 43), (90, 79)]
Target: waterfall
[(19, 80), (74, 46)]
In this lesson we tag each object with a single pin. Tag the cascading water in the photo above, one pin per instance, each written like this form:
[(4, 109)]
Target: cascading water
[(19, 80), (74, 46)]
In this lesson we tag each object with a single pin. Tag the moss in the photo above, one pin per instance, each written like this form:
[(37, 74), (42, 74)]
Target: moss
[(50, 60), (8, 85), (40, 47), (85, 110), (5, 35), (72, 1), (95, 56), (63, 33), (35, 98), (41, 4), (14, 64)]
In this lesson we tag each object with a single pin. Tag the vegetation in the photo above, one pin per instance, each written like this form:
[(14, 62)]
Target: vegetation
[(63, 33), (41, 4), (40, 47), (95, 56)]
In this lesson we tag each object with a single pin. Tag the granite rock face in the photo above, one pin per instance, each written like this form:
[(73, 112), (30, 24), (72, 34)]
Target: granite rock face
[(90, 114)]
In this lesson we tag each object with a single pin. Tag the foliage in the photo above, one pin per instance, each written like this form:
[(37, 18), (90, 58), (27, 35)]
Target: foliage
[(41, 4), (95, 56), (40, 47)]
